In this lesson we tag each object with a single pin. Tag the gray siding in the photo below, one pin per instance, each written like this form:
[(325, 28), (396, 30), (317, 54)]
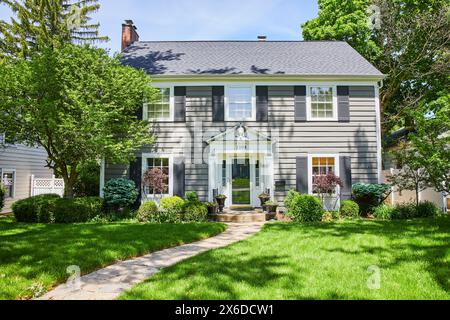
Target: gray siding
[(26, 161), (357, 138)]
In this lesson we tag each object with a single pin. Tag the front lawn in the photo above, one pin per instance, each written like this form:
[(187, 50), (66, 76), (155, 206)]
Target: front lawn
[(317, 261), (34, 257)]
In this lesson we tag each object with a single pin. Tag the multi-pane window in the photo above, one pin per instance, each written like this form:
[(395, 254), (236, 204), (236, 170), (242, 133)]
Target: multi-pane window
[(163, 164), (8, 182), (321, 102), (159, 109), (240, 105), (322, 166)]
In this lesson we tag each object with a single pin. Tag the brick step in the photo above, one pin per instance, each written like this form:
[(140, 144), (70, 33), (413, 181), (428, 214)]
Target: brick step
[(242, 217)]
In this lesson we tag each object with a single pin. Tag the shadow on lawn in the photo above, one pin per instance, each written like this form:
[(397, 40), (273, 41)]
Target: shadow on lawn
[(33, 250), (430, 239)]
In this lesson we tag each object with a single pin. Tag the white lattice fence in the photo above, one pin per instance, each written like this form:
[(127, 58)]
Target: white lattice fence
[(46, 186)]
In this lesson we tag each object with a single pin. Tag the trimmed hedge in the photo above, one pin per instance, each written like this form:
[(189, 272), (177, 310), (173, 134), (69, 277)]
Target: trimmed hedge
[(29, 210), (407, 211), (53, 209), (77, 210), (172, 205), (349, 209), (2, 196)]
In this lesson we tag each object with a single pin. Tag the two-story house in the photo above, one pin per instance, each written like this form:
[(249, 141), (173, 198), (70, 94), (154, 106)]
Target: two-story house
[(244, 117)]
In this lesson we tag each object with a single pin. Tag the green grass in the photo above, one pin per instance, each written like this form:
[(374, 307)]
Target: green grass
[(316, 261), (36, 255)]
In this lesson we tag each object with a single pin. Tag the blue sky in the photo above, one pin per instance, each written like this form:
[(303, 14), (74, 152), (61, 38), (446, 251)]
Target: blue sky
[(203, 19)]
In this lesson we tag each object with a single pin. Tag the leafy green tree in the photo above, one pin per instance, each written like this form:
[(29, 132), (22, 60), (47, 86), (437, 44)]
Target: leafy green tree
[(431, 140), (45, 23), (345, 20), (77, 103), (410, 45), (411, 175)]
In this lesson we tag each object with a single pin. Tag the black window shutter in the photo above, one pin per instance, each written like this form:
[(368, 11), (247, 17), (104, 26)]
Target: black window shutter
[(180, 104), (179, 177), (300, 103), (136, 176), (218, 103), (140, 112), (262, 103), (343, 104), (302, 174), (345, 168)]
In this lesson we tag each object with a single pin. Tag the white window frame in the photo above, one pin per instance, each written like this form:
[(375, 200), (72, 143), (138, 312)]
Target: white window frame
[(146, 156), (14, 172), (227, 102), (309, 102), (310, 168), (171, 106)]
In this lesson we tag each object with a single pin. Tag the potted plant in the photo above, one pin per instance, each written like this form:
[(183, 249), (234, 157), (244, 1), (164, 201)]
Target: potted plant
[(264, 197), (220, 199), (271, 207), (212, 207)]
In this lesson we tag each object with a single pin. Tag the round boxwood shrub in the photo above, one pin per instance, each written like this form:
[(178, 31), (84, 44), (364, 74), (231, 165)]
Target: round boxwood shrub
[(192, 196), (349, 209), (147, 212), (173, 204), (427, 209), (195, 212), (305, 208), (35, 209), (383, 212), (120, 193)]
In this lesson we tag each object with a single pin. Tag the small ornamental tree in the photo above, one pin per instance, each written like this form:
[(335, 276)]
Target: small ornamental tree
[(156, 180), (326, 185)]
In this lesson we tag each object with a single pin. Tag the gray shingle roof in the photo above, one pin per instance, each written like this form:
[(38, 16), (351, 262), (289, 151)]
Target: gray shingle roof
[(321, 58)]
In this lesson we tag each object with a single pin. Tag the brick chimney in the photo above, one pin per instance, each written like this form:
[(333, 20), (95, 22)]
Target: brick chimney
[(129, 34)]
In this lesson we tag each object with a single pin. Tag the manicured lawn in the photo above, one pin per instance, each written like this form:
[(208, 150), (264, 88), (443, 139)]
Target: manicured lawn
[(38, 255), (316, 261)]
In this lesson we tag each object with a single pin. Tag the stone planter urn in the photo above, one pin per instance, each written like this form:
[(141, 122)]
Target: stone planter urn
[(220, 199), (212, 208), (264, 197)]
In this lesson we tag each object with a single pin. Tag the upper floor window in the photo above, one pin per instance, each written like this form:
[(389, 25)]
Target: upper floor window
[(160, 108), (241, 103), (322, 103)]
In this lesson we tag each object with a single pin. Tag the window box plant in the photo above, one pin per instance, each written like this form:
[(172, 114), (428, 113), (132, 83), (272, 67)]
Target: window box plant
[(220, 199), (271, 207), (264, 197)]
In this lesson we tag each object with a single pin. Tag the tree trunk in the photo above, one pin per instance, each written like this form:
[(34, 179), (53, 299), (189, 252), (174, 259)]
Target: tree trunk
[(417, 196), (68, 188)]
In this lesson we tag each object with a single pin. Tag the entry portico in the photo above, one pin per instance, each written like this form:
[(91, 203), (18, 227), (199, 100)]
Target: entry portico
[(241, 163)]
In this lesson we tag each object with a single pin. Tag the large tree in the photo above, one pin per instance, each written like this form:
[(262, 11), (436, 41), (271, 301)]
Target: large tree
[(410, 44), (77, 103), (431, 140), (47, 23)]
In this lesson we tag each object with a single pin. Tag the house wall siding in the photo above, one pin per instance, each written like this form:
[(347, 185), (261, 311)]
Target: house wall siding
[(357, 138), (26, 161)]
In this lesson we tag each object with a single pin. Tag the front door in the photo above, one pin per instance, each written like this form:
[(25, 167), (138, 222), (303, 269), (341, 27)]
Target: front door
[(240, 181)]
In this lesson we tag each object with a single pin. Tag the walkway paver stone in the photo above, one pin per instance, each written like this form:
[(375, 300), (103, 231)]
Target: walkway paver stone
[(110, 282)]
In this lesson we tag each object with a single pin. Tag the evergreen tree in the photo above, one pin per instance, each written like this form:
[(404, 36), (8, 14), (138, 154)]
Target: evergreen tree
[(47, 23)]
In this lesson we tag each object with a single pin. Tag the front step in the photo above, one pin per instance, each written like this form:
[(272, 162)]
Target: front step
[(242, 217)]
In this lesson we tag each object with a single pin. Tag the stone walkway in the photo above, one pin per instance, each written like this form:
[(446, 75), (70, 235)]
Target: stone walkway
[(110, 282)]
